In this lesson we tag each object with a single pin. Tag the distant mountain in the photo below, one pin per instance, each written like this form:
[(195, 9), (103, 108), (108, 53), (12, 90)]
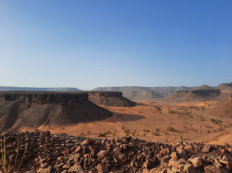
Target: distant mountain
[(203, 92), (140, 93), (225, 87), (9, 88)]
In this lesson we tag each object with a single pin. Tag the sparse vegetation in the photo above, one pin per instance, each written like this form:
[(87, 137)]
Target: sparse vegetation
[(216, 121), (102, 134), (82, 134), (133, 134), (181, 138), (127, 131), (172, 112), (158, 108), (202, 118), (9, 165), (156, 134), (146, 130), (171, 129)]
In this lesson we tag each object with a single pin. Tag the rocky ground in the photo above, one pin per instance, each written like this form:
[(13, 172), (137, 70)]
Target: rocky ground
[(45, 153)]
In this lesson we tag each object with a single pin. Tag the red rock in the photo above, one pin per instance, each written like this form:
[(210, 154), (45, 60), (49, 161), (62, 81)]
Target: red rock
[(189, 168), (102, 153), (78, 149), (76, 168), (102, 168), (174, 156), (206, 148), (213, 169), (197, 162), (44, 170)]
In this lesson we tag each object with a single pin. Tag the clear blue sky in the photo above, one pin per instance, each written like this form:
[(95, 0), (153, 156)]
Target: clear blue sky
[(92, 43)]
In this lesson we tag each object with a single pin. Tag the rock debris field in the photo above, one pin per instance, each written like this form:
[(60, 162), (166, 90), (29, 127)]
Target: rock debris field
[(44, 152)]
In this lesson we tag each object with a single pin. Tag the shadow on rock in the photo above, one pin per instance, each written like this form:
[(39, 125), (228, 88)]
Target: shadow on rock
[(124, 117)]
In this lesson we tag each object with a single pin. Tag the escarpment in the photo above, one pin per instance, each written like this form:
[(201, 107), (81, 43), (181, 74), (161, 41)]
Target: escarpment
[(222, 108), (110, 99), (35, 109), (201, 93), (44, 97)]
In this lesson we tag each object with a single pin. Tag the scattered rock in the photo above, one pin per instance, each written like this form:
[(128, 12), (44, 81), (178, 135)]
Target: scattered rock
[(47, 153), (189, 168), (102, 168), (197, 162), (45, 170), (206, 148)]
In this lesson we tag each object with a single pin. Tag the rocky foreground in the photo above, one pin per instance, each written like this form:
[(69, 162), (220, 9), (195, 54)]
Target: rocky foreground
[(45, 153)]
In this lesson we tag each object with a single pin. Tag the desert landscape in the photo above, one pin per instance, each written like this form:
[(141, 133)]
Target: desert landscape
[(199, 118), (115, 86)]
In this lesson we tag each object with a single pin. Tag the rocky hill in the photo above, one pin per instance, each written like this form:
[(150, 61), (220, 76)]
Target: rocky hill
[(225, 87), (34, 109), (44, 153), (202, 93), (222, 108), (110, 99), (143, 93)]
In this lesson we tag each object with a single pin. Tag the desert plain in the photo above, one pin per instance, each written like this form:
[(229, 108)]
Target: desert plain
[(158, 121)]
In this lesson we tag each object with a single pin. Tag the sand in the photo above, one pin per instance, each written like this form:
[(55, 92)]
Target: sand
[(157, 122)]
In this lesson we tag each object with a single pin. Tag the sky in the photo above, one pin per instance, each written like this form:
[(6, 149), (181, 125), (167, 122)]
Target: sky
[(98, 43)]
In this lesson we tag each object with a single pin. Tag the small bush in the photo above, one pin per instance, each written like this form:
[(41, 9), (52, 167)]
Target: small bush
[(9, 165), (102, 134), (172, 112), (215, 121), (156, 134), (171, 129), (157, 130), (146, 130), (202, 118)]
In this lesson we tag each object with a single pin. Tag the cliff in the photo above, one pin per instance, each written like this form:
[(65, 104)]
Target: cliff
[(34, 109), (110, 99), (200, 93), (44, 97), (143, 93)]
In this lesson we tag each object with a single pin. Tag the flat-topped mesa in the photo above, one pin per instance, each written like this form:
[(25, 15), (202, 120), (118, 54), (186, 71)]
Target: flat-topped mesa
[(181, 92), (35, 109), (200, 93), (206, 92), (45, 97), (110, 98), (106, 93)]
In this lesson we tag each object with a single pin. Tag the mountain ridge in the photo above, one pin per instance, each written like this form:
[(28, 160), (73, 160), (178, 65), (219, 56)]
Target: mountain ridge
[(12, 88)]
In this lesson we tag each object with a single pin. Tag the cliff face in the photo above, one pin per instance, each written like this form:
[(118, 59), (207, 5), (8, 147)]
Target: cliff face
[(34, 109), (196, 94), (44, 97), (110, 99), (143, 93), (206, 93)]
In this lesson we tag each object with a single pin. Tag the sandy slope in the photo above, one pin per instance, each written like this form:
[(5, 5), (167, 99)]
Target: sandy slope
[(158, 121)]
